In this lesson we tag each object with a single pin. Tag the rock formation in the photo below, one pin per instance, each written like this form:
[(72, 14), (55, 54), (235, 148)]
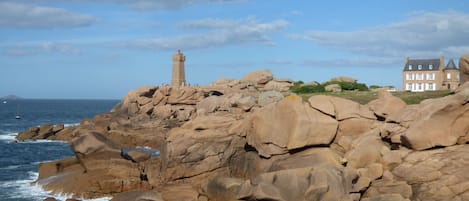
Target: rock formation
[(343, 79), (245, 140), (464, 69)]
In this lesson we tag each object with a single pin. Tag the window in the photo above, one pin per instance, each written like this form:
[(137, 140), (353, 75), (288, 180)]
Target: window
[(408, 87), (410, 67), (420, 67), (408, 76), (430, 66), (431, 86), (419, 87), (448, 76), (430, 76), (419, 76)]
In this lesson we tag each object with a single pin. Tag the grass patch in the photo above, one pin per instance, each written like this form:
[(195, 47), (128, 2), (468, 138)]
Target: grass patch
[(417, 97), (364, 97)]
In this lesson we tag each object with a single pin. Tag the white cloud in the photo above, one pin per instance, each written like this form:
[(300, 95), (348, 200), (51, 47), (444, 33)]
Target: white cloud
[(142, 5), (420, 35), (41, 48), (210, 23), (224, 32), (30, 16), (146, 5)]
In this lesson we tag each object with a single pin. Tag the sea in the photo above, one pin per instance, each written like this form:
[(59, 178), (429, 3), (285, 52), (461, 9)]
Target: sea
[(19, 161)]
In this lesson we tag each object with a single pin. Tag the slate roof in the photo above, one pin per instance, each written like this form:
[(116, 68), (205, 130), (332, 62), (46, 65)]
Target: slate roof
[(425, 65), (451, 65)]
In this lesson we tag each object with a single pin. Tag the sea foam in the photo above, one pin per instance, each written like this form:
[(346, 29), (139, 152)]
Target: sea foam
[(8, 137), (27, 189)]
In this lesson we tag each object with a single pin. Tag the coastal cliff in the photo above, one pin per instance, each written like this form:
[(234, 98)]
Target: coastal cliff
[(250, 139)]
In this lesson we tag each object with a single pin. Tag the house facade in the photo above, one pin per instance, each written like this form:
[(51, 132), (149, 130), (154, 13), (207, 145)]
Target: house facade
[(421, 75)]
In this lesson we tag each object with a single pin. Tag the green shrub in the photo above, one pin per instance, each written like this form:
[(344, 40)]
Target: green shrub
[(296, 85), (309, 89)]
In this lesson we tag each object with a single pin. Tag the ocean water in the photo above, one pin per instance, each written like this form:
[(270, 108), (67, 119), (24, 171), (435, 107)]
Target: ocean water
[(19, 161)]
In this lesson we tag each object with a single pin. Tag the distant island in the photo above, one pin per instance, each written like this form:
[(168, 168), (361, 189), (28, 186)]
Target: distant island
[(11, 97)]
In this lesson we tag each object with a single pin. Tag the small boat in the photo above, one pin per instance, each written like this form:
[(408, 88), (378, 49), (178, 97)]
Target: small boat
[(17, 117), (5, 102)]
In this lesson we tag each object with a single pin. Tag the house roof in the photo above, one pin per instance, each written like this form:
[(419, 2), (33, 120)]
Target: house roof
[(451, 65), (422, 65)]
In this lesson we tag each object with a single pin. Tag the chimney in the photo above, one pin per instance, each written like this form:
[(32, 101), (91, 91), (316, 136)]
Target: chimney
[(442, 62), (406, 60)]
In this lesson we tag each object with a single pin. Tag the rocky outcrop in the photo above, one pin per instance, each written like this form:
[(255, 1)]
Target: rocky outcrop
[(98, 169), (278, 85), (386, 104), (138, 196), (268, 97), (439, 122), (343, 79), (199, 148), (259, 78), (287, 125), (464, 69), (299, 184), (436, 174), (42, 132), (249, 140), (333, 88)]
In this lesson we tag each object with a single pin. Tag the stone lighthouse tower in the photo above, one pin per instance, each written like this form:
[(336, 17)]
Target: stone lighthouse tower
[(179, 77)]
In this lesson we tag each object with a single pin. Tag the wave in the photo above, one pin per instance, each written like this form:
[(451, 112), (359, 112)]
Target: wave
[(74, 124), (8, 137), (42, 141), (11, 137), (11, 167), (26, 189)]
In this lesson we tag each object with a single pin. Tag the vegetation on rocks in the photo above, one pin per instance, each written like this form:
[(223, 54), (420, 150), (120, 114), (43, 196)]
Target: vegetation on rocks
[(301, 88), (364, 96)]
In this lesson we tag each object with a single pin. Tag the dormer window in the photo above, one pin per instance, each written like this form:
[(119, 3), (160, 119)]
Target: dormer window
[(430, 66), (410, 67), (420, 67)]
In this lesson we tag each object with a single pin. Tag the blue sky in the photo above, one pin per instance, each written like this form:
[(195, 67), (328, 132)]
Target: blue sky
[(102, 49)]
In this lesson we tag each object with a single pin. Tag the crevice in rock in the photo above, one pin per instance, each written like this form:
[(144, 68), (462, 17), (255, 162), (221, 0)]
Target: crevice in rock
[(213, 93), (205, 172), (435, 147), (406, 142), (149, 93), (293, 151), (390, 144), (149, 112), (333, 116), (249, 148), (380, 118)]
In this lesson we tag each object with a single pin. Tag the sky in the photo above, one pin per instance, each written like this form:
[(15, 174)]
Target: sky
[(101, 49)]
